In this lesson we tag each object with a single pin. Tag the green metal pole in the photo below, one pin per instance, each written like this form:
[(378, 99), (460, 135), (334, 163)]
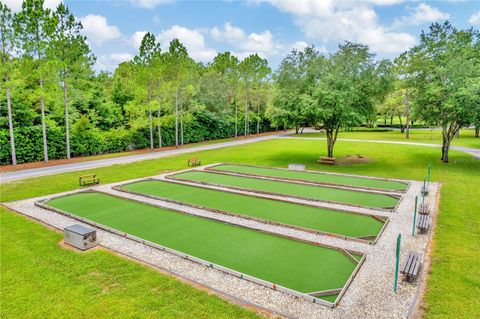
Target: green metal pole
[(399, 238), (428, 176), (423, 193), (414, 216)]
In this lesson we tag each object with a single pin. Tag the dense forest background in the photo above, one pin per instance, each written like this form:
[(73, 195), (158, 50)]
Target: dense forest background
[(53, 105)]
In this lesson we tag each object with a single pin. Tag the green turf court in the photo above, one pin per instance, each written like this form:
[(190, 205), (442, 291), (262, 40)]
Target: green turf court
[(319, 219), (289, 263), (315, 177), (314, 192)]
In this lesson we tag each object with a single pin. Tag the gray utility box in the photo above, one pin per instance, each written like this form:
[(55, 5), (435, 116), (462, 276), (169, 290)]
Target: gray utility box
[(80, 237), (296, 167)]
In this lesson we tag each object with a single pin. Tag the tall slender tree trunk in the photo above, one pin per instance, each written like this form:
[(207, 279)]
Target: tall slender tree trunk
[(258, 118), (407, 115), (181, 120), (246, 110), (44, 125), (402, 128), (150, 118), (159, 129), (10, 127), (67, 121), (236, 119), (176, 118), (477, 130), (391, 120)]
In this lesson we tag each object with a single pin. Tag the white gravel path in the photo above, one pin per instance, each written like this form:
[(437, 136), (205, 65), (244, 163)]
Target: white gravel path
[(370, 295)]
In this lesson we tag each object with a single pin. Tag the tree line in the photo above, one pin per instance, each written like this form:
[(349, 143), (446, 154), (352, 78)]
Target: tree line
[(55, 106)]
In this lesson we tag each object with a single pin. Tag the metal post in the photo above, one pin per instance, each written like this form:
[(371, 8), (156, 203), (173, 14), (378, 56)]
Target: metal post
[(399, 238), (423, 191), (428, 176), (414, 216)]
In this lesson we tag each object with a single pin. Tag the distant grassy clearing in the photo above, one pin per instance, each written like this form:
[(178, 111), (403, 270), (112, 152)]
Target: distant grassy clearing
[(325, 220), (316, 177), (292, 189), (295, 265)]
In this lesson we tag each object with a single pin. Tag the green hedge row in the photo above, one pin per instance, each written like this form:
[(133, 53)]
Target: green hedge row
[(198, 127)]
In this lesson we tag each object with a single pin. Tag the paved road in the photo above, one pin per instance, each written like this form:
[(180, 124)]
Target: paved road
[(27, 173), (475, 152), (56, 169)]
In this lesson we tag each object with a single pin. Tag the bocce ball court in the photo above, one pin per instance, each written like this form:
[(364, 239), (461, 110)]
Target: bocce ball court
[(291, 189), (314, 271), (312, 177), (339, 223)]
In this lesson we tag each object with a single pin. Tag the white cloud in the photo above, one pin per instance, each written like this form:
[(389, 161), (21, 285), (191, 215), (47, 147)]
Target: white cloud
[(16, 5), (475, 18), (262, 43), (110, 61), (97, 29), (329, 21), (136, 39), (423, 13), (150, 4), (193, 40)]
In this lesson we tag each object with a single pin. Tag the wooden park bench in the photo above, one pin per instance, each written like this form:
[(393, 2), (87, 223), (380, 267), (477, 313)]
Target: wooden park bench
[(411, 266), (88, 179), (326, 160), (423, 209), (193, 162), (423, 223)]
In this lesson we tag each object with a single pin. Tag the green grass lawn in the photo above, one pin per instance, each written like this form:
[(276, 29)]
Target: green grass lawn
[(39, 279), (291, 189), (311, 177), (289, 263), (453, 281), (325, 220), (467, 137)]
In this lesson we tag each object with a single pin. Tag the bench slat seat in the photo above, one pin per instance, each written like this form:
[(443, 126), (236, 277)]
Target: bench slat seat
[(89, 179), (423, 209), (411, 266), (424, 190), (423, 223), (326, 160), (193, 162)]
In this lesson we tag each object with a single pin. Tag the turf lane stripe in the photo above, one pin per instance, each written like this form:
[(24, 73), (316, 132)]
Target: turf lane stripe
[(290, 214), (289, 263), (311, 192), (311, 176)]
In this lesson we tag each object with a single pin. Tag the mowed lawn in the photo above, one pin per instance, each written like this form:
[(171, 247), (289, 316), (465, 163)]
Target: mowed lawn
[(453, 284), (467, 136), (285, 262), (343, 196), (39, 279), (319, 219)]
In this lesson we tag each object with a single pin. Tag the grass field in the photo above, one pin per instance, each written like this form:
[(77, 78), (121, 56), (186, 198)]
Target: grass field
[(39, 279), (289, 263), (467, 136), (336, 222), (311, 177), (453, 279), (291, 189)]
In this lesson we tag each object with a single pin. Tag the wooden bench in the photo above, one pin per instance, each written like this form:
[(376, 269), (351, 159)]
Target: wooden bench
[(423, 223), (326, 160), (423, 209), (411, 266), (193, 162), (88, 179)]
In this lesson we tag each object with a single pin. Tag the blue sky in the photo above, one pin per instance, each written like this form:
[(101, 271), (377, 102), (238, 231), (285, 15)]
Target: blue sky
[(271, 28)]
